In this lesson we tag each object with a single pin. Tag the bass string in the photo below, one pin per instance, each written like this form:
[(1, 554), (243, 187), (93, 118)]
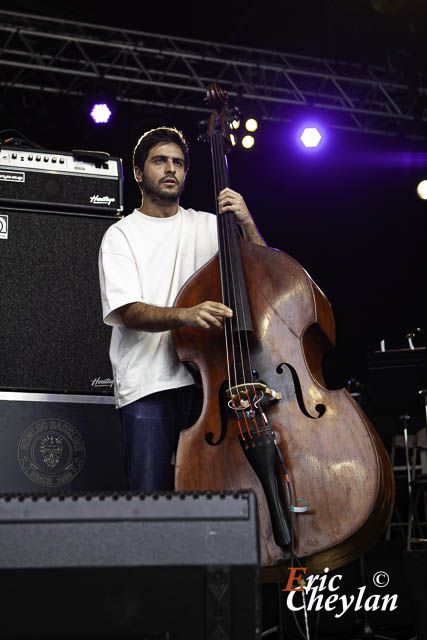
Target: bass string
[(222, 267), (231, 235), (251, 374), (231, 248), (242, 288), (232, 301), (227, 279), (235, 250), (249, 371), (227, 276)]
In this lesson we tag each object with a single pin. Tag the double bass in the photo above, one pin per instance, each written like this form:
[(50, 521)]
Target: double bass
[(321, 475)]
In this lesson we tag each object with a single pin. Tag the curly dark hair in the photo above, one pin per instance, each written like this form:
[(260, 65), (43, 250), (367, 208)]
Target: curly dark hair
[(149, 140)]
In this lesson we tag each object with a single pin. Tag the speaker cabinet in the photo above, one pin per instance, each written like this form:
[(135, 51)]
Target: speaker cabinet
[(52, 442), (182, 566), (52, 335)]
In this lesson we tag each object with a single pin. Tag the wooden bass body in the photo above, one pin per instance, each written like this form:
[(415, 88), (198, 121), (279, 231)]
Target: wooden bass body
[(336, 463)]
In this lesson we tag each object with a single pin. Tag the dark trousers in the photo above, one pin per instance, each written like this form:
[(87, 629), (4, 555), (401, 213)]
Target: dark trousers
[(151, 428)]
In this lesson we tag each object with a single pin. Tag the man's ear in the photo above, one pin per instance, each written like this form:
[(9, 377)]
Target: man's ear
[(138, 174)]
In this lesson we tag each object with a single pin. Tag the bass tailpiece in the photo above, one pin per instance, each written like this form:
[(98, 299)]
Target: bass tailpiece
[(260, 451)]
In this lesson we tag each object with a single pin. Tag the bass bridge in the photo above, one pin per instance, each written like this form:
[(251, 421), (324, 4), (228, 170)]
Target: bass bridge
[(251, 397)]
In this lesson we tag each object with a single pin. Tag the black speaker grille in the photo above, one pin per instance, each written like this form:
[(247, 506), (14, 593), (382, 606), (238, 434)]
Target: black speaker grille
[(51, 330)]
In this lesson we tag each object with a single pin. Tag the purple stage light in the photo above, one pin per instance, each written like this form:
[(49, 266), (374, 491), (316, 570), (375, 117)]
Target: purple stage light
[(311, 137), (100, 113)]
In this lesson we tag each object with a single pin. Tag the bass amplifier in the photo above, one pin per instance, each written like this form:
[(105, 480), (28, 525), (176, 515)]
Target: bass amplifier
[(77, 180)]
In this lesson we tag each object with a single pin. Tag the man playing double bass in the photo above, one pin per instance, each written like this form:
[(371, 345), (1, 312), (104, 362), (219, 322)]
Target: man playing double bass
[(144, 260)]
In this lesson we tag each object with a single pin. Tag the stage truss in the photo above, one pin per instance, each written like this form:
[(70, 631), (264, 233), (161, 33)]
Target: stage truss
[(45, 54)]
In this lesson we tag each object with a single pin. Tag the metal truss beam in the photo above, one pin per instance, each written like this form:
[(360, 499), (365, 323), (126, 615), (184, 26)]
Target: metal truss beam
[(72, 58)]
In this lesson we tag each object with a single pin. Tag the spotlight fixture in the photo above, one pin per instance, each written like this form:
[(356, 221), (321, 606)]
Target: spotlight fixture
[(248, 142), (311, 137), (251, 124), (100, 113), (422, 189)]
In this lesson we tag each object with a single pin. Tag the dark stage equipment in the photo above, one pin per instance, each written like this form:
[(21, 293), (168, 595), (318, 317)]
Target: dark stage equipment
[(415, 564), (393, 400), (128, 565), (86, 181), (53, 442), (395, 378), (53, 338)]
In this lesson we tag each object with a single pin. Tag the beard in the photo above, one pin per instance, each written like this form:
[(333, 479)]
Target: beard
[(158, 191)]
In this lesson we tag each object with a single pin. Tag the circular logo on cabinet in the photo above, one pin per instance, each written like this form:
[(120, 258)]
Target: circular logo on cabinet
[(51, 452)]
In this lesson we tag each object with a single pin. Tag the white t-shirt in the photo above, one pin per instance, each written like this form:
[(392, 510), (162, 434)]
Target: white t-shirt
[(147, 259)]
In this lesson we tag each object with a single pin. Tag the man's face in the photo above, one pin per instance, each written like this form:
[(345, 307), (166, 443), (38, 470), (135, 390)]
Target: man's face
[(164, 174)]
